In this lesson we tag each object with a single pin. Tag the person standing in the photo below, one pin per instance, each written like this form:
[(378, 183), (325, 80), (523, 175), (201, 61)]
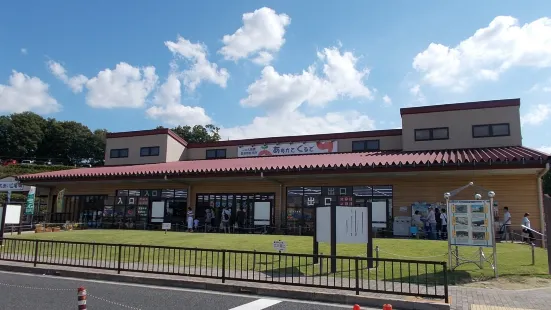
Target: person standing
[(528, 230), (444, 224), (241, 220), (431, 220), (208, 219), (189, 219), (438, 222), (506, 229), (226, 215)]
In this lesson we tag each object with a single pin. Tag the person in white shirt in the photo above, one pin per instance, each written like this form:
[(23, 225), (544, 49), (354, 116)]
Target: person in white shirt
[(226, 214), (431, 219), (208, 219), (196, 224), (506, 228), (444, 228), (189, 219), (526, 223)]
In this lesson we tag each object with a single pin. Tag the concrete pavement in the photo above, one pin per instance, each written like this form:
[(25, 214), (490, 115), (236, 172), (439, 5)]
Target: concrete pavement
[(23, 291)]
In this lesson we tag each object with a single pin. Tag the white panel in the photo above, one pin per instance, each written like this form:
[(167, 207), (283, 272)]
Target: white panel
[(13, 214), (352, 226), (262, 213), (379, 214), (323, 224), (157, 211)]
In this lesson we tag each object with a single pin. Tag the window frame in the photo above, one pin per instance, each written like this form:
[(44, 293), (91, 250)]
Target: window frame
[(491, 130), (431, 134), (365, 144), (216, 154), (118, 152), (149, 153)]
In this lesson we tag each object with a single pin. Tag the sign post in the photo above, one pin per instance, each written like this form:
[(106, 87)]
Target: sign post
[(166, 227), (547, 234), (29, 208), (280, 246)]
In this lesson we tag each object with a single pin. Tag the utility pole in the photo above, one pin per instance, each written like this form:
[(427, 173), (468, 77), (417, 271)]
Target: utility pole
[(547, 229)]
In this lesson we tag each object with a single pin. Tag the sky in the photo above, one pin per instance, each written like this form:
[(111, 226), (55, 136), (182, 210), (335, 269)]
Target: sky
[(272, 68)]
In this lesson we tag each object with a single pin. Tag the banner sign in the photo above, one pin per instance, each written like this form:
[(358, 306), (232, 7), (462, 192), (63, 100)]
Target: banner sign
[(59, 201), (11, 187), (29, 209), (470, 223), (280, 149)]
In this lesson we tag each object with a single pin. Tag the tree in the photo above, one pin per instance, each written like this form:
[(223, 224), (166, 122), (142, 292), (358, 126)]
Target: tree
[(26, 135), (198, 133)]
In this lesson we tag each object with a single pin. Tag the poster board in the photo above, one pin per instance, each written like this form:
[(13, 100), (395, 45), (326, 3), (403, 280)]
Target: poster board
[(352, 226), (262, 213), (13, 214), (157, 211), (380, 214), (470, 223), (323, 224)]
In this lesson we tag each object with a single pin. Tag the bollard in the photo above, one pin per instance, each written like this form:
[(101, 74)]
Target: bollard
[(356, 307), (81, 298), (387, 307), (533, 254)]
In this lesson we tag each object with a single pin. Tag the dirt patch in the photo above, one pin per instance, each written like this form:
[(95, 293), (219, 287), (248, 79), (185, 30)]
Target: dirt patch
[(512, 283)]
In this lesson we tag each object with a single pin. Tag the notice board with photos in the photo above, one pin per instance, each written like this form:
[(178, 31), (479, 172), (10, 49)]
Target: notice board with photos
[(470, 223)]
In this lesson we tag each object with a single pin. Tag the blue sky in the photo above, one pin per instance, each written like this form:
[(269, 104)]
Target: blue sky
[(265, 68)]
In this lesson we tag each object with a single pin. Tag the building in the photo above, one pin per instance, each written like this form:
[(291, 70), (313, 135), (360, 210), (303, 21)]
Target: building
[(152, 176)]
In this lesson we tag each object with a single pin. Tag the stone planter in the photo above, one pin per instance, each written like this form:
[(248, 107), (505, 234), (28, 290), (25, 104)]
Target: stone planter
[(56, 229), (48, 229)]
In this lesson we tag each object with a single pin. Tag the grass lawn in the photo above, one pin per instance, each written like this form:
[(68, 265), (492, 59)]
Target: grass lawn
[(514, 260)]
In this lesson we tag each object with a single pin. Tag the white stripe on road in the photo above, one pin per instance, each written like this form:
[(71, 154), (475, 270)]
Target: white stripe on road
[(258, 304)]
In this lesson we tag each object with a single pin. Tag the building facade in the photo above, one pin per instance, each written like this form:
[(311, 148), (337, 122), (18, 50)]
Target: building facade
[(153, 176)]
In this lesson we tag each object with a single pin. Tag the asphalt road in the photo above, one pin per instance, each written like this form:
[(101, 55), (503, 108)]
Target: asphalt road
[(23, 291)]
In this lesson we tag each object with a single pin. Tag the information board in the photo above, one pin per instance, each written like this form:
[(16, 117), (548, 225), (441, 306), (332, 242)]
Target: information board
[(470, 223)]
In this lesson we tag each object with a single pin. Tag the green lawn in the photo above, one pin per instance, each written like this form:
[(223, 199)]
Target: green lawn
[(513, 259)]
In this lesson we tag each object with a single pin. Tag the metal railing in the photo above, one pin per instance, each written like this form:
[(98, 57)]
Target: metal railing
[(358, 274)]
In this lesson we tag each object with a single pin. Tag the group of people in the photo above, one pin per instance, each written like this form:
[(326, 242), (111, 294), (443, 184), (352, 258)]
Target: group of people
[(210, 220), (435, 225), (505, 229)]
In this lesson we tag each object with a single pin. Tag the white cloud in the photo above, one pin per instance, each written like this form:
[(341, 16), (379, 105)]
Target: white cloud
[(169, 109), (287, 92), (543, 87), (536, 115), (387, 100), (261, 35), (76, 83), (25, 93), (297, 123), (123, 87), (418, 94), (492, 50), (201, 69), (24, 51), (545, 149)]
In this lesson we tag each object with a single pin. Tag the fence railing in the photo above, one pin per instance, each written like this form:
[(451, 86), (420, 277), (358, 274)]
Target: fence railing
[(359, 274)]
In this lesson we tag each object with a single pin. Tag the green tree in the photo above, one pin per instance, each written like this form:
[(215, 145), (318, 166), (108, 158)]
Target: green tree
[(198, 133), (26, 134)]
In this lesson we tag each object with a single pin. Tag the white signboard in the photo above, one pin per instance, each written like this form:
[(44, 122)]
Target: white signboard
[(352, 225), (470, 223), (166, 226), (313, 147), (11, 186), (262, 213), (157, 211), (280, 246), (13, 214)]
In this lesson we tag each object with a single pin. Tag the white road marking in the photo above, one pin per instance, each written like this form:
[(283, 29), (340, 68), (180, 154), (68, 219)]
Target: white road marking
[(258, 304)]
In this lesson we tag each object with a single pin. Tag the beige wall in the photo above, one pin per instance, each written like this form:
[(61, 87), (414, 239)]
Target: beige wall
[(460, 128), (170, 150), (344, 145)]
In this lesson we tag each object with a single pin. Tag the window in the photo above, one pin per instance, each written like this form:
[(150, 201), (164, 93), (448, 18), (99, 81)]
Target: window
[(216, 154), (149, 151), (118, 153), (491, 130), (428, 134), (365, 145)]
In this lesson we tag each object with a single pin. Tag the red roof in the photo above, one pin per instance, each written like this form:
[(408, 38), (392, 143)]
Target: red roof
[(505, 155)]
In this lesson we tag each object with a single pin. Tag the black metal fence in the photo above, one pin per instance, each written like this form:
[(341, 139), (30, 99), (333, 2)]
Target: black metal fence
[(388, 276)]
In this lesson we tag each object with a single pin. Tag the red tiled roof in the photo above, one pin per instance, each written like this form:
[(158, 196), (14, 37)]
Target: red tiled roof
[(519, 155), (462, 106)]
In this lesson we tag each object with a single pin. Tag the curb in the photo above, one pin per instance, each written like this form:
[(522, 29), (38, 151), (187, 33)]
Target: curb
[(231, 288)]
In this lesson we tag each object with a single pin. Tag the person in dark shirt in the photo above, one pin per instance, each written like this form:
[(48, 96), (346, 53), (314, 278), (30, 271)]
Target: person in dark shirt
[(438, 223), (241, 220)]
